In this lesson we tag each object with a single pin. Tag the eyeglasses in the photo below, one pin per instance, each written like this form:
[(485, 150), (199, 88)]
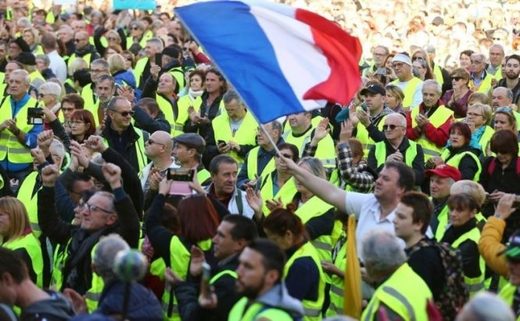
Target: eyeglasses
[(124, 113), (95, 208), (417, 58), (473, 114), (390, 127), (151, 142)]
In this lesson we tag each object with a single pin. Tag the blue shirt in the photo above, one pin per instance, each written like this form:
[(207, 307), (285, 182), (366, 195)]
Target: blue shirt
[(30, 137)]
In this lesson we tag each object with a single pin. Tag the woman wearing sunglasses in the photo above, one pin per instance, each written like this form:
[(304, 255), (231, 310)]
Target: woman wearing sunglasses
[(478, 117), (457, 98)]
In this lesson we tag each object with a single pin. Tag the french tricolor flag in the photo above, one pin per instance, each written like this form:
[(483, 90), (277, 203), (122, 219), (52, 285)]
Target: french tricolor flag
[(280, 59)]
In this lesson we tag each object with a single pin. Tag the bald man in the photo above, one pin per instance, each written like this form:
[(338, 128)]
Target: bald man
[(396, 147), (158, 149)]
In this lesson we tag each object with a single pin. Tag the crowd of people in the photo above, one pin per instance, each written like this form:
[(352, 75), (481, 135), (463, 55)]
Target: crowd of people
[(117, 132)]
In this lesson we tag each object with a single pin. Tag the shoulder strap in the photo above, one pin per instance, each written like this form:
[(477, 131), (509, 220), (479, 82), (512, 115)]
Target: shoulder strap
[(240, 204), (492, 165)]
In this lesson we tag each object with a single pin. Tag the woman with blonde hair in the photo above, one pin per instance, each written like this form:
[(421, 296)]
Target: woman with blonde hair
[(16, 235), (117, 68)]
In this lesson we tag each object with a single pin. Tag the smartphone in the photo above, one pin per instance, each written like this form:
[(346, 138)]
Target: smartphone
[(158, 59), (34, 116), (181, 180), (364, 107), (205, 287)]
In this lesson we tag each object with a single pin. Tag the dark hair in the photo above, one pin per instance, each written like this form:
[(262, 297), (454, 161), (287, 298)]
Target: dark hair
[(467, 52), (198, 218), (150, 104), (74, 99), (464, 129), (406, 175), (460, 72), (11, 263), (422, 208), (197, 72), (82, 76), (504, 142), (106, 77), (220, 77), (214, 165), (513, 56), (293, 149), (76, 177), (282, 220), (88, 118), (243, 228), (273, 258), (463, 201)]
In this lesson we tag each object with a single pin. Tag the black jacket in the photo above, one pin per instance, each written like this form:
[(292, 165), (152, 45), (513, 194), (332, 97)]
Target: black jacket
[(57, 308)]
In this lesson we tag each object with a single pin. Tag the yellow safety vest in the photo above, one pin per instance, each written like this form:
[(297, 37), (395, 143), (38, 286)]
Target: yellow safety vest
[(405, 293), (455, 161), (437, 73), (203, 175), (476, 284), (33, 247), (337, 284), (245, 135), (285, 193), (312, 309), (166, 106), (325, 152), (485, 85), (443, 219), (139, 149), (183, 103), (409, 90), (243, 311), (87, 58), (363, 136), (180, 265), (178, 74), (252, 164), (91, 101), (93, 294), (10, 147), (139, 69), (508, 294), (409, 155), (30, 200), (439, 117), (485, 139), (36, 75)]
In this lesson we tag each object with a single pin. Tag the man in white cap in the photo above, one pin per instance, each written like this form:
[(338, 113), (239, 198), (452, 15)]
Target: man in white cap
[(410, 85)]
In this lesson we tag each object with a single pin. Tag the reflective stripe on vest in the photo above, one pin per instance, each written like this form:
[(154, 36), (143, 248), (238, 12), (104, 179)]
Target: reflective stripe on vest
[(217, 276), (245, 135), (439, 117), (312, 309), (409, 90), (409, 155), (10, 147), (456, 159), (30, 200), (477, 283)]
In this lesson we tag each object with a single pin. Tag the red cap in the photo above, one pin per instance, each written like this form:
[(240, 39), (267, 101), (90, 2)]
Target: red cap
[(444, 170)]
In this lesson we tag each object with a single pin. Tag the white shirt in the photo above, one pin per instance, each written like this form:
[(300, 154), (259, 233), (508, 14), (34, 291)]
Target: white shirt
[(57, 65), (368, 212)]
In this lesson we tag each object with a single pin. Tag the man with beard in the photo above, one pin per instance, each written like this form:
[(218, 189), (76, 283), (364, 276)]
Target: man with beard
[(259, 273), (511, 80)]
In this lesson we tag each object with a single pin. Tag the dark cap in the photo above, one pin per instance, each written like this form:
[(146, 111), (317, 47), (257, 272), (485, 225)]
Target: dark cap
[(22, 44), (444, 171), (512, 251), (191, 140), (373, 89), (26, 58), (172, 51)]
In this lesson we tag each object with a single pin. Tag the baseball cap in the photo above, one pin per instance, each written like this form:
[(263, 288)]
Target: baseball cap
[(191, 140), (373, 89), (26, 58), (512, 251), (405, 59), (444, 170)]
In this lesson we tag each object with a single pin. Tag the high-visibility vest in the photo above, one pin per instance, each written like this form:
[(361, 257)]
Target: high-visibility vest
[(93, 294), (508, 295), (139, 149), (245, 135), (285, 193), (203, 175), (147, 35), (87, 57), (252, 164), (405, 293), (337, 284), (10, 147), (475, 284), (455, 161), (312, 309), (166, 106), (139, 70), (36, 75), (30, 200), (183, 104), (485, 139), (439, 117), (180, 265), (58, 263), (485, 85), (91, 101), (178, 74), (325, 152), (363, 136), (33, 247), (443, 218), (409, 90), (409, 155), (437, 73), (243, 311)]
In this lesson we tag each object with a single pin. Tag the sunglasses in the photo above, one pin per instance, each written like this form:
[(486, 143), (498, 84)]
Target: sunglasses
[(151, 142), (112, 38), (284, 155), (390, 127), (78, 40), (124, 113)]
